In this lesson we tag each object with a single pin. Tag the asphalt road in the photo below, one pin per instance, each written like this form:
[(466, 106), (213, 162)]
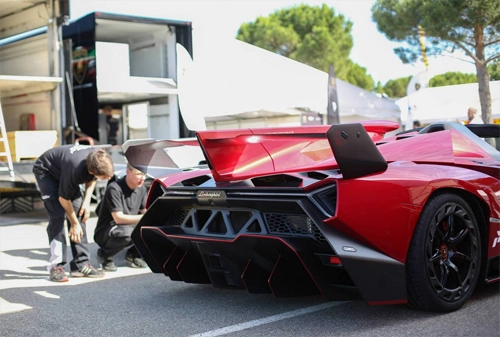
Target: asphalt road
[(135, 302)]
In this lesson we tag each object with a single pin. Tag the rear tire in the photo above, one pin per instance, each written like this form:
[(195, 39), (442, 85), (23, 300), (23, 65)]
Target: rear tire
[(444, 258)]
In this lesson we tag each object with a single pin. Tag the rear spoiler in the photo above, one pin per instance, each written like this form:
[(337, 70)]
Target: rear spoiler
[(245, 153), (242, 154), (147, 155)]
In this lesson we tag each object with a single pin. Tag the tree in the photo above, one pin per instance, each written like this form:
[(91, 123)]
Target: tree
[(357, 75), (452, 78), (379, 89), (397, 88), (470, 25), (313, 35)]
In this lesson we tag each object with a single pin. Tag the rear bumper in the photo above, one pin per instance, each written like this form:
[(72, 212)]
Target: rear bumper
[(282, 266)]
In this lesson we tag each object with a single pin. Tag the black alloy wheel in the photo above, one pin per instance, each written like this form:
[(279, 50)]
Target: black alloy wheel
[(444, 258)]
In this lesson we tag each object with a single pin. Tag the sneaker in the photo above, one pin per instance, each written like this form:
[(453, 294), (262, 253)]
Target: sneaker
[(106, 262), (136, 262), (87, 271), (57, 274)]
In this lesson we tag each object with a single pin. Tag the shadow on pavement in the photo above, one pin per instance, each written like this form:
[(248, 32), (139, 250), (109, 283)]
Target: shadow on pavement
[(9, 219)]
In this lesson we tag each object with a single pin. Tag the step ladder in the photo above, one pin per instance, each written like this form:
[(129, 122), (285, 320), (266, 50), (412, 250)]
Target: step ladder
[(6, 152)]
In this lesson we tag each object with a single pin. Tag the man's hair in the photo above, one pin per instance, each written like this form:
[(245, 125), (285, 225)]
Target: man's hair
[(473, 110), (133, 169), (100, 163)]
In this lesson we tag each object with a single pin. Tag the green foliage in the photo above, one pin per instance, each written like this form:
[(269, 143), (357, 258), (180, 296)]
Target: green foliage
[(379, 89), (470, 25), (313, 35), (397, 88), (494, 71), (357, 75), (269, 33), (452, 78), (448, 25)]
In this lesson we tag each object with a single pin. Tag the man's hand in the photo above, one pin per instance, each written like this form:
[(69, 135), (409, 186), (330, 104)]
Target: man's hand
[(76, 233), (84, 213)]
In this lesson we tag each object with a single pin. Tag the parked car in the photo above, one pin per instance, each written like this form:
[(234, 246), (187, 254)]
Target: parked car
[(336, 210)]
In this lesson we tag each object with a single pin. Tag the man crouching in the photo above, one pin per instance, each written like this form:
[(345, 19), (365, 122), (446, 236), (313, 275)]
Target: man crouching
[(122, 207)]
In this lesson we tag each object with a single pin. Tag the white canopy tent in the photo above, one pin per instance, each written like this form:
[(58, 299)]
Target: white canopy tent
[(448, 103), (240, 80)]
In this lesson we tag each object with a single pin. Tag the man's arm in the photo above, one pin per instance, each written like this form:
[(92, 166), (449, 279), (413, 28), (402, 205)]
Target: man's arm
[(125, 219), (114, 202), (75, 232), (84, 211)]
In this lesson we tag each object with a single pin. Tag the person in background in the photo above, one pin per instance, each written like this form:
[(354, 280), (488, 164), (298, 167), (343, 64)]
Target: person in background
[(416, 124), (122, 207), (59, 172), (473, 117), (112, 125)]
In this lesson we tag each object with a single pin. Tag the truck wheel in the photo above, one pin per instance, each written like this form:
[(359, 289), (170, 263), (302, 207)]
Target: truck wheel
[(444, 257)]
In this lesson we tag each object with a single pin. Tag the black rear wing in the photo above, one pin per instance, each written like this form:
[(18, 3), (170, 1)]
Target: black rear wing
[(354, 150)]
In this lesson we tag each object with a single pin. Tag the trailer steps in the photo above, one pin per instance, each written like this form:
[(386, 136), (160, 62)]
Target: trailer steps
[(6, 152)]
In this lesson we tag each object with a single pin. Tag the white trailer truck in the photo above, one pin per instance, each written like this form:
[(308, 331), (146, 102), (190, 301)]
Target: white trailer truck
[(58, 75)]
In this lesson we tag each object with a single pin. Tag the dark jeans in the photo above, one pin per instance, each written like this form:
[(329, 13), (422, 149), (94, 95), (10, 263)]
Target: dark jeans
[(49, 188), (115, 239)]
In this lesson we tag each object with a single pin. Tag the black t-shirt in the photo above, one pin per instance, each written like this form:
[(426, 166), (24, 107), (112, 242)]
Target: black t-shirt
[(119, 197), (68, 164)]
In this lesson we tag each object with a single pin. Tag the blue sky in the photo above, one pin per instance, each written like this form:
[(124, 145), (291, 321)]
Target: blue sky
[(220, 19)]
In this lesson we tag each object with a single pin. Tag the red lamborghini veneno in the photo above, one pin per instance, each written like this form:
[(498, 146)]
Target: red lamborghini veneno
[(336, 210)]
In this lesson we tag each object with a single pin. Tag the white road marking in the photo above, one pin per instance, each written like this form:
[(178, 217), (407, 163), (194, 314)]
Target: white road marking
[(25, 272), (20, 277), (38, 252), (47, 294), (7, 307), (43, 280), (266, 320)]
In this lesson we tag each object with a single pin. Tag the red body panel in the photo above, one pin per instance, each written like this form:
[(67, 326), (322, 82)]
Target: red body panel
[(401, 191), (438, 147)]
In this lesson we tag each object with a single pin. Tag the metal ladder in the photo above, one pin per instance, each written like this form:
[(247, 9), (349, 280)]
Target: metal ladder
[(5, 140)]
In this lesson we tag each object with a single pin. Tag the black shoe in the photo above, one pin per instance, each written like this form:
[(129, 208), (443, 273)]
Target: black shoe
[(135, 262), (106, 262), (87, 271)]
